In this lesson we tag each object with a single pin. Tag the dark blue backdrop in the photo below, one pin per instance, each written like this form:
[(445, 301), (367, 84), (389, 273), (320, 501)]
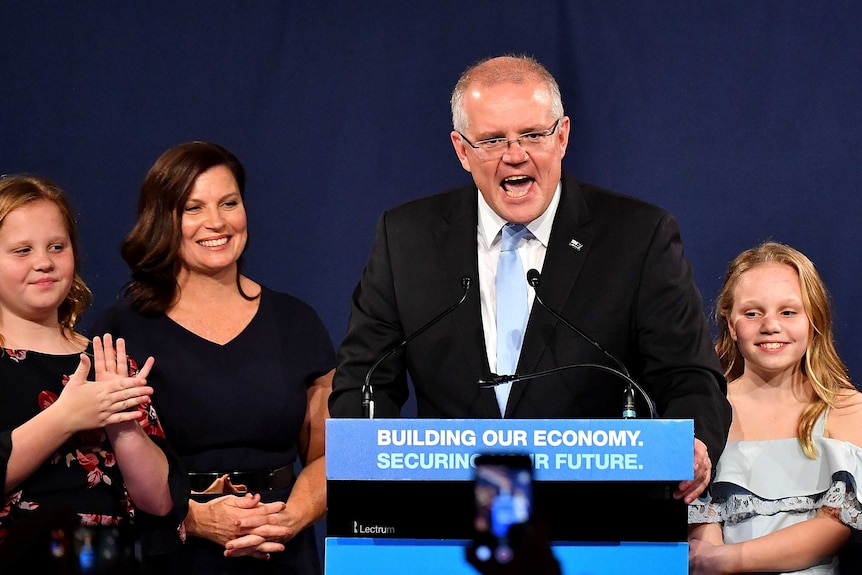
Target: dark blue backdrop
[(741, 118)]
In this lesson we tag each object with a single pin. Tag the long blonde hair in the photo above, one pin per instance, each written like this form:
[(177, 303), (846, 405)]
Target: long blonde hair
[(824, 370), (19, 190)]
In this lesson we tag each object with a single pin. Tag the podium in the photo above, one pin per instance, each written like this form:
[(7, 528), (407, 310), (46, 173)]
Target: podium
[(400, 492)]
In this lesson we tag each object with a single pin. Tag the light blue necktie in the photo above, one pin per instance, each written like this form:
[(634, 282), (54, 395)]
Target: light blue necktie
[(512, 308)]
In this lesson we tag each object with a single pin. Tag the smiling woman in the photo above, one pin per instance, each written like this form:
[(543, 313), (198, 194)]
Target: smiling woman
[(214, 231), (244, 372)]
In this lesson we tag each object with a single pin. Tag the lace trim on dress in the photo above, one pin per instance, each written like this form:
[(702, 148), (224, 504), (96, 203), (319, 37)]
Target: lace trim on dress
[(743, 505)]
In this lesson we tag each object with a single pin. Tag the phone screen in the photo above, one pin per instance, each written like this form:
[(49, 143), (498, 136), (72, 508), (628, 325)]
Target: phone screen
[(503, 489), (98, 550)]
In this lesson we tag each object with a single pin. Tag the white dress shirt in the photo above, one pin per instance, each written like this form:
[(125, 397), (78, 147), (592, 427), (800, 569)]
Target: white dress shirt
[(532, 254)]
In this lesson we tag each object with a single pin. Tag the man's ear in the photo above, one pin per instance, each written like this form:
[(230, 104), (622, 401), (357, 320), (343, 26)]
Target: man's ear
[(460, 150), (563, 131)]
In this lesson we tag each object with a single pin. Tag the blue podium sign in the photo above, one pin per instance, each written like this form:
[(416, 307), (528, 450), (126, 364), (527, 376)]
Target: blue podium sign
[(400, 557), (562, 450), (400, 492)]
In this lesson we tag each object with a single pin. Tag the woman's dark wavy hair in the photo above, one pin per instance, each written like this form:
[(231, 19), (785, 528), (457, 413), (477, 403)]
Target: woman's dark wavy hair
[(152, 248), (17, 191)]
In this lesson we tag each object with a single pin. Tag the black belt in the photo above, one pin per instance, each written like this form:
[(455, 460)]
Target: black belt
[(257, 480)]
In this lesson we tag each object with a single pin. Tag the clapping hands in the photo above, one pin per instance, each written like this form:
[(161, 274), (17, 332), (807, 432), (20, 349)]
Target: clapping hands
[(114, 396)]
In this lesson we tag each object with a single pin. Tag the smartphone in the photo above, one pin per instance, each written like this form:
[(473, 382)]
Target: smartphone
[(503, 492), (99, 550)]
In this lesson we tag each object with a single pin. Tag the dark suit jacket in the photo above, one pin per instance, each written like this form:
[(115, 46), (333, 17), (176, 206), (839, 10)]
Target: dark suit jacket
[(614, 268)]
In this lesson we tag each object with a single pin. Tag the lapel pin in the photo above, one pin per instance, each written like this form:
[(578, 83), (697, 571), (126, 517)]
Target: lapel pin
[(573, 243)]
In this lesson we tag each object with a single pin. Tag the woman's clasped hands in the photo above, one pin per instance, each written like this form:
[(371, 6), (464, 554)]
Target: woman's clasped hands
[(240, 522)]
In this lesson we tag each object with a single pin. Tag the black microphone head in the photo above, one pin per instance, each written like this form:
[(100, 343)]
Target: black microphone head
[(466, 281), (533, 277), (493, 380), (489, 381)]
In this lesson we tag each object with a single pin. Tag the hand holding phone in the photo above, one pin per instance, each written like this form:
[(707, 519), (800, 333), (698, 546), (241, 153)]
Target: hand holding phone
[(503, 488), (507, 538)]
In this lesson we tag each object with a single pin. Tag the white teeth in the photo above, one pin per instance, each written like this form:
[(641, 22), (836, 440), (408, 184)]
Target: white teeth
[(772, 345), (213, 243), (517, 189)]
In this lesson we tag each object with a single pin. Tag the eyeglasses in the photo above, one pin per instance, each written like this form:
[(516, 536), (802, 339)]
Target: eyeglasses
[(494, 148)]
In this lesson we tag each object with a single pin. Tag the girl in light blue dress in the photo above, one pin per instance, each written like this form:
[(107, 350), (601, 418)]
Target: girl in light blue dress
[(784, 498)]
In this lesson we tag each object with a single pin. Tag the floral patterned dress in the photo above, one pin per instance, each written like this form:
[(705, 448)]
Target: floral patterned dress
[(82, 476)]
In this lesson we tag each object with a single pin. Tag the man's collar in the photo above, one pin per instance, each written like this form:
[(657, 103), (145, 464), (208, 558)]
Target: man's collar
[(490, 222)]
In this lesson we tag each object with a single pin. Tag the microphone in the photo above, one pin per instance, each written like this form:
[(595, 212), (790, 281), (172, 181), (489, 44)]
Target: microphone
[(367, 388), (534, 279), (629, 411)]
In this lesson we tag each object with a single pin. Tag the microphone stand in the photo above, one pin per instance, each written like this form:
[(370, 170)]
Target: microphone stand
[(367, 388), (496, 380), (629, 411)]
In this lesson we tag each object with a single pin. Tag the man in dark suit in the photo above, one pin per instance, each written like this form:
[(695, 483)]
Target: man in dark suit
[(611, 265)]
